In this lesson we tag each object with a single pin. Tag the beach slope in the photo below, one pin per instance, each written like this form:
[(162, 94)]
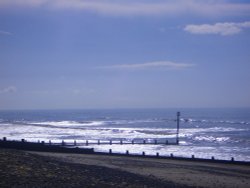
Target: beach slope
[(44, 169)]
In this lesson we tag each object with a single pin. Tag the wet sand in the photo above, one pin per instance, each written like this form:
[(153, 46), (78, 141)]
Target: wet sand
[(43, 169)]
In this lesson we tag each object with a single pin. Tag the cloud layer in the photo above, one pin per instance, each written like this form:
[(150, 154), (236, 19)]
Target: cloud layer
[(150, 65), (9, 89), (223, 29), (138, 7), (5, 33)]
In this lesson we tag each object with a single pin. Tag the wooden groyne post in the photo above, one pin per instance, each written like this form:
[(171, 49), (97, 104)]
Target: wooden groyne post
[(178, 127)]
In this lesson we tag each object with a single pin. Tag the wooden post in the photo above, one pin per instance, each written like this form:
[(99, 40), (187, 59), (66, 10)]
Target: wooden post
[(133, 142), (23, 140), (87, 142), (4, 139), (232, 159), (143, 153), (178, 127), (74, 142), (98, 142), (49, 142), (171, 155), (212, 158), (157, 154), (127, 152), (110, 151), (63, 143), (43, 143), (144, 141), (121, 141), (155, 141), (193, 157), (110, 142)]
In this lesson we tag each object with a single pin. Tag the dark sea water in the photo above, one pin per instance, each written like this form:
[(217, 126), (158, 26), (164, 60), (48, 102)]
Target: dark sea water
[(222, 133)]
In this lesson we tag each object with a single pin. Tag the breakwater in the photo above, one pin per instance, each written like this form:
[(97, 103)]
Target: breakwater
[(69, 148)]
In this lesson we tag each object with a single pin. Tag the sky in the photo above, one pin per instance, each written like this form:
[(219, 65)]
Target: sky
[(80, 54)]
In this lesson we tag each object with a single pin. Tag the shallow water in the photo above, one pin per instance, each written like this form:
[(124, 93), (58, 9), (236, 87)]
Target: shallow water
[(222, 133)]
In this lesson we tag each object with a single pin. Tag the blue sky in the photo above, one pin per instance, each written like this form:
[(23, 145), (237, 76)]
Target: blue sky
[(59, 54)]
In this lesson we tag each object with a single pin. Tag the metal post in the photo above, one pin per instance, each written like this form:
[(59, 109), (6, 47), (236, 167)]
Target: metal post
[(178, 127)]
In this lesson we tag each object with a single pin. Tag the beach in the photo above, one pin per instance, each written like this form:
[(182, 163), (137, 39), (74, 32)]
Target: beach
[(44, 169)]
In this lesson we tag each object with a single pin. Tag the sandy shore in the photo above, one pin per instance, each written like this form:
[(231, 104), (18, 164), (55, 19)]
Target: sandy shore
[(25, 169), (41, 169), (196, 174)]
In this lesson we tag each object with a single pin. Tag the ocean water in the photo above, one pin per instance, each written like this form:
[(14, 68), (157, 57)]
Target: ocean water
[(222, 133)]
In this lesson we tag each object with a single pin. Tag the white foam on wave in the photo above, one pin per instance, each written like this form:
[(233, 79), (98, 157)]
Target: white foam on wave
[(210, 129), (190, 120), (69, 123), (211, 138), (183, 150)]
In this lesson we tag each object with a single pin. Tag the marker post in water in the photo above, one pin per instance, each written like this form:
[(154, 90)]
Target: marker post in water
[(178, 126)]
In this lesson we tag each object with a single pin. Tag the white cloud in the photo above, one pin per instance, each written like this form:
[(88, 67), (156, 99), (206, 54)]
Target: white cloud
[(227, 28), (9, 89), (139, 7), (5, 33), (150, 65), (83, 91)]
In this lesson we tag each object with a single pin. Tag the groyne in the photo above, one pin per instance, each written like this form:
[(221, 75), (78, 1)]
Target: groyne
[(63, 148)]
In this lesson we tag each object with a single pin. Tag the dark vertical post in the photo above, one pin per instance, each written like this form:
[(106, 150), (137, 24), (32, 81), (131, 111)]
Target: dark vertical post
[(155, 141), (110, 142), (49, 142), (178, 127), (87, 142), (4, 139), (74, 142), (132, 141), (110, 151), (98, 142)]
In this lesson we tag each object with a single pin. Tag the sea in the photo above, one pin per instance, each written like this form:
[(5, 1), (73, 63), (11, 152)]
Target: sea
[(203, 132)]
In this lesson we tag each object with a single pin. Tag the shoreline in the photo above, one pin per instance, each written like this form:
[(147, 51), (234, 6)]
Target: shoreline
[(137, 171), (73, 148)]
